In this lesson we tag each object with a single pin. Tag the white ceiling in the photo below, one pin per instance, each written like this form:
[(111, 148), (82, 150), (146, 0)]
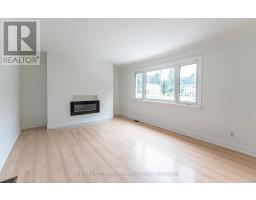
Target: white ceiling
[(127, 40)]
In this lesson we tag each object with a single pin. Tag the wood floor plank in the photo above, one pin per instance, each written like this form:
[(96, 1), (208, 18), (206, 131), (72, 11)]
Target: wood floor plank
[(121, 150)]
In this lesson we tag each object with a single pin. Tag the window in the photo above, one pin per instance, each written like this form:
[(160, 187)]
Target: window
[(160, 84), (188, 83), (176, 83), (138, 85)]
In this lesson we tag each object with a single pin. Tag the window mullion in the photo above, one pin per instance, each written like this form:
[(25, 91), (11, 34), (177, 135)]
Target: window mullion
[(177, 84), (184, 79), (144, 86)]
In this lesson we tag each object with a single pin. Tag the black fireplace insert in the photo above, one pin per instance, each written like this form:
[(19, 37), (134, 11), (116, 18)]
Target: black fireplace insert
[(84, 107)]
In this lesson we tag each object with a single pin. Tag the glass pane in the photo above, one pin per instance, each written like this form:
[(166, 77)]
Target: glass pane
[(139, 83), (160, 84), (188, 83)]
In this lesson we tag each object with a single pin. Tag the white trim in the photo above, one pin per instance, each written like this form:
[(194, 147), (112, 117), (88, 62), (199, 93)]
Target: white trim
[(197, 86), (219, 142), (176, 66), (177, 85), (169, 104), (144, 86), (168, 63), (134, 86), (33, 126)]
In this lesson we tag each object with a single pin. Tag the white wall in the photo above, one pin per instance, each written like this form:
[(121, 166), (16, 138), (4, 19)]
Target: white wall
[(33, 94), (68, 76), (9, 110), (228, 94), (116, 91)]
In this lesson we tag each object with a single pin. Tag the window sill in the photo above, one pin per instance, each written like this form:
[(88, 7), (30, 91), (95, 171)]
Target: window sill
[(172, 104)]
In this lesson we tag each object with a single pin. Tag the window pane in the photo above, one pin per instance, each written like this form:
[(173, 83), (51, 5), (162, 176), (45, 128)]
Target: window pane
[(188, 83), (160, 84), (139, 82)]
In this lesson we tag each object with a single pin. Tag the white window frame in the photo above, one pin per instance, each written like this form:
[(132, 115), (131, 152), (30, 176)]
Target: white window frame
[(176, 65), (135, 87)]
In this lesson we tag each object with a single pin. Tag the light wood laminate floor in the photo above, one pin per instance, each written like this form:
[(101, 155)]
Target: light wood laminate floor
[(121, 150)]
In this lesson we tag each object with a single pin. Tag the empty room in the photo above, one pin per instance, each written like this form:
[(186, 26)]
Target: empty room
[(122, 100)]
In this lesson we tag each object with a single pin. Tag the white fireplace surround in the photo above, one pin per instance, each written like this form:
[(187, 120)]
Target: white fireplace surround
[(79, 80), (85, 97)]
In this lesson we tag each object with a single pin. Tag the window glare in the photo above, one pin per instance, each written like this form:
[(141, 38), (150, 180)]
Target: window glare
[(160, 84), (139, 85), (171, 83), (188, 83)]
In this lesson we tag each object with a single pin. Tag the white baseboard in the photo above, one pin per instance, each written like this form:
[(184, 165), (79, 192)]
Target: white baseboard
[(227, 144), (33, 126), (77, 123)]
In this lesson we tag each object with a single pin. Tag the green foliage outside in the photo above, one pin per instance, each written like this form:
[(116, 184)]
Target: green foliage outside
[(166, 86), (191, 80)]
